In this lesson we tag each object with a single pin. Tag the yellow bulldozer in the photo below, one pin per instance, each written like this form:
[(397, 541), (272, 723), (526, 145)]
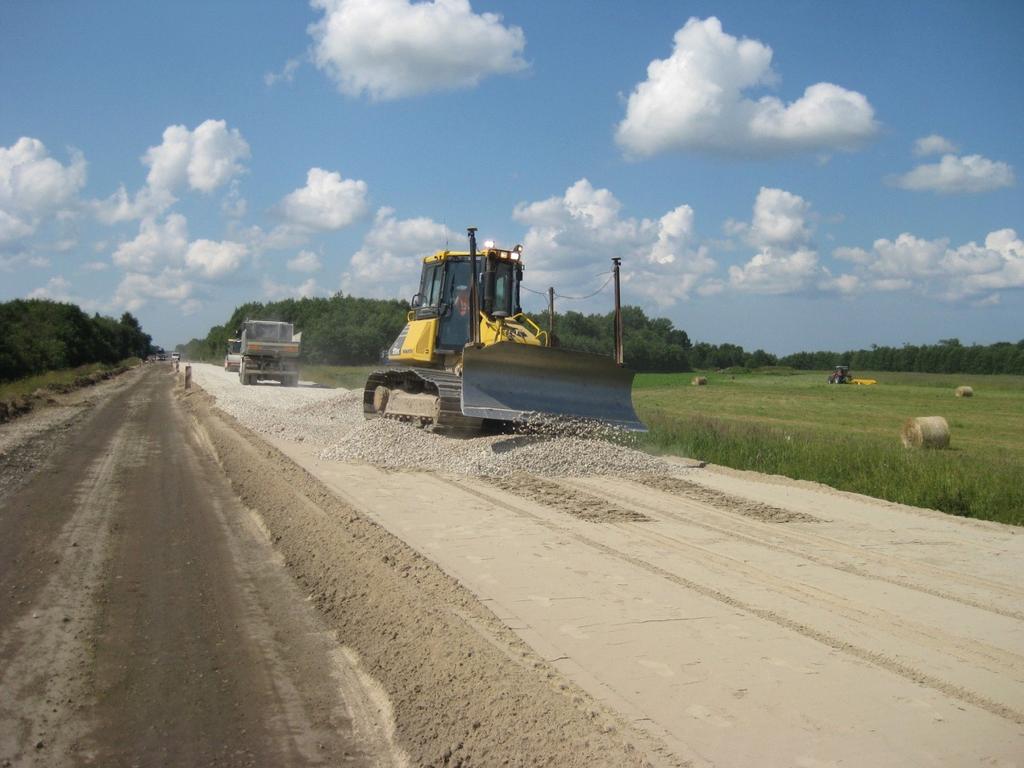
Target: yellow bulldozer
[(469, 360)]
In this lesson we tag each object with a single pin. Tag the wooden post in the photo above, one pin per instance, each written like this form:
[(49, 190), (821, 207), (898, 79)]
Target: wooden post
[(188, 377), (619, 355), (551, 316)]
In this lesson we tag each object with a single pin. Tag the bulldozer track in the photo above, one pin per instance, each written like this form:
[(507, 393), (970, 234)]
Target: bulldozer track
[(446, 385)]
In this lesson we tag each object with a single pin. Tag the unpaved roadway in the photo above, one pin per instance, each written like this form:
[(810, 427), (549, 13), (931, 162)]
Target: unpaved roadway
[(734, 619), (144, 620)]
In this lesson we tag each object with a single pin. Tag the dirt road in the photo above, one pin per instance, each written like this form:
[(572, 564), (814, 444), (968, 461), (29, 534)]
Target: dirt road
[(146, 620), (735, 619)]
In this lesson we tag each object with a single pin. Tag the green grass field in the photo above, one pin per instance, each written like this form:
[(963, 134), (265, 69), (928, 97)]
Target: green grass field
[(846, 436), (56, 379), (346, 376)]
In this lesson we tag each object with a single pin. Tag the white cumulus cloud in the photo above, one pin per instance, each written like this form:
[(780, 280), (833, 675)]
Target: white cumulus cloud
[(571, 239), (775, 271), (213, 259), (933, 144), (156, 246), (935, 268), (304, 261), (967, 174), (59, 288), (327, 202), (275, 291), (35, 186), (206, 157), (695, 100), (164, 245), (390, 49), (201, 159), (171, 285), (387, 265), (780, 219), (286, 75), (781, 228)]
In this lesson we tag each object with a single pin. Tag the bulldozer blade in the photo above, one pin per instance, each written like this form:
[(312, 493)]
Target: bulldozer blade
[(510, 381)]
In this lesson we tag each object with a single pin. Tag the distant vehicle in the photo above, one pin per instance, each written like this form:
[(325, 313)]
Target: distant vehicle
[(233, 359), (270, 350), (175, 356), (841, 375)]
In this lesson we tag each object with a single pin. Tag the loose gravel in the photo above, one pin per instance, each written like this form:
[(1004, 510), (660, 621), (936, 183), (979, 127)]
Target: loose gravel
[(332, 420)]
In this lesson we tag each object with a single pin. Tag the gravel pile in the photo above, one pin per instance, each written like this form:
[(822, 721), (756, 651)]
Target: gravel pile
[(332, 419), (395, 445), (309, 414)]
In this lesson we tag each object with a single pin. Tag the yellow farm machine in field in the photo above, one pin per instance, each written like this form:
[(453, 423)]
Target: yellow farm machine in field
[(469, 358), (841, 375)]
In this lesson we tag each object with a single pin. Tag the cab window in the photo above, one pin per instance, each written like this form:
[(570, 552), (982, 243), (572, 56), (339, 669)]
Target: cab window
[(430, 290), (503, 288)]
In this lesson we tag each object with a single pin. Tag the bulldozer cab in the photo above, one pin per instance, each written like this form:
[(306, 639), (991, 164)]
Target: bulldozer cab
[(444, 294)]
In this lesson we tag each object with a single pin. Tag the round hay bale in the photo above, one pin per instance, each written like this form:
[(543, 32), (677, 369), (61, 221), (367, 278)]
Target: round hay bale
[(964, 392), (699, 381), (925, 432)]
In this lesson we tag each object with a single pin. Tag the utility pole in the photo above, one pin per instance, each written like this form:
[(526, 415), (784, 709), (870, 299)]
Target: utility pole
[(619, 356), (551, 315)]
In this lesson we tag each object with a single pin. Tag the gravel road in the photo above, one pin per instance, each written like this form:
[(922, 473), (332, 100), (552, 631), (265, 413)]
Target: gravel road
[(730, 618)]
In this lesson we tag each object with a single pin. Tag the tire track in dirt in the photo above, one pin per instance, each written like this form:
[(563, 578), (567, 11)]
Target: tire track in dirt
[(875, 658), (812, 542), (60, 629), (756, 510), (995, 660), (575, 501)]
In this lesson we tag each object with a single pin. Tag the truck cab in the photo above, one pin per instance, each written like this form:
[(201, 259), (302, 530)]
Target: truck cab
[(233, 358)]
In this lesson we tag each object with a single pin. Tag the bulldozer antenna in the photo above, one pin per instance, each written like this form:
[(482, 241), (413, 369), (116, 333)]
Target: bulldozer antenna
[(474, 295)]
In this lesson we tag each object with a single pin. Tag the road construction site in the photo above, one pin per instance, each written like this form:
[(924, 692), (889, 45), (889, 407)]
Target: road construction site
[(728, 618), (513, 599)]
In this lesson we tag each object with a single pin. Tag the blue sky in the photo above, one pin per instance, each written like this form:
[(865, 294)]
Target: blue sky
[(786, 176)]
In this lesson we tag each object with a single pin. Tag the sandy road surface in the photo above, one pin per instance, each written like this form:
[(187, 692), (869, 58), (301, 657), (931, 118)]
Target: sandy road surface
[(146, 620), (736, 619)]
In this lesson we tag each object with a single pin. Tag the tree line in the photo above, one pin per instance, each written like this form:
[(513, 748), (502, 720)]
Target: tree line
[(947, 356), (347, 330), (38, 335)]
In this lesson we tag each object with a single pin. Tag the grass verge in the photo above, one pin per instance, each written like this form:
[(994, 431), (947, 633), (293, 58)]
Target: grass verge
[(345, 376), (58, 381)]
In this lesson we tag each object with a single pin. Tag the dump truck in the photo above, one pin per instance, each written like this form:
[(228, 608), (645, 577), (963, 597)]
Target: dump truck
[(270, 352), (469, 360)]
